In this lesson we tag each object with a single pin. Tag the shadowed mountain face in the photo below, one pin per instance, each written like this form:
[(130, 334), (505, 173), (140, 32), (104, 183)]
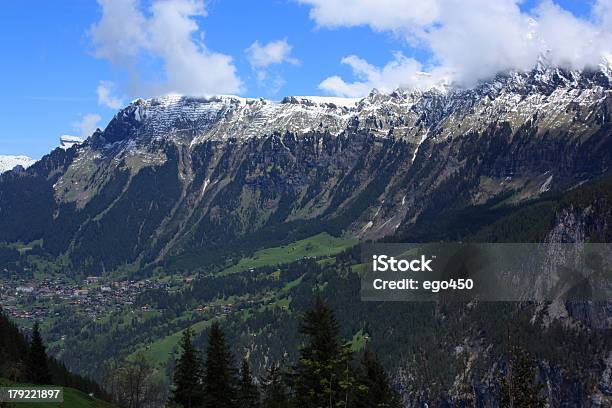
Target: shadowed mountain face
[(181, 181)]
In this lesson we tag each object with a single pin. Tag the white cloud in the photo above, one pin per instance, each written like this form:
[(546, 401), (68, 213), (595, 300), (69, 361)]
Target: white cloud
[(602, 12), (479, 38), (105, 95), (263, 56), (575, 42), (274, 52), (130, 39), (381, 15), (399, 72), (473, 39), (87, 125), (119, 35)]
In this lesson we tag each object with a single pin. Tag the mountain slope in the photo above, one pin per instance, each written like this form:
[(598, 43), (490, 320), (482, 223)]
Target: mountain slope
[(439, 354), (193, 185), (171, 180)]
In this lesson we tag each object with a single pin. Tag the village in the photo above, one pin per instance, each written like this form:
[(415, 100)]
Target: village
[(37, 299)]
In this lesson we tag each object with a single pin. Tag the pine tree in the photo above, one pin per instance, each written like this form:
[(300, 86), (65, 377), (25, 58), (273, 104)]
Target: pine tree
[(188, 390), (248, 394), (374, 388), (274, 389), (323, 374), (37, 362), (219, 375), (518, 389)]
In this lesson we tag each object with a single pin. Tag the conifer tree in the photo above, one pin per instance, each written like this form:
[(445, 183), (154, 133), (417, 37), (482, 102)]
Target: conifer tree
[(518, 389), (274, 389), (219, 374), (322, 376), (374, 388), (248, 394), (37, 368), (188, 390)]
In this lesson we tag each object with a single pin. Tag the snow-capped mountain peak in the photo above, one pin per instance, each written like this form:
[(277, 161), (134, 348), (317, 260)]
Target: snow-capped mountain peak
[(412, 115), (10, 162)]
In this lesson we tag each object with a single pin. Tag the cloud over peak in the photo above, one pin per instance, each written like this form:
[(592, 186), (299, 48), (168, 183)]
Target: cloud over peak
[(401, 71), (472, 39), (87, 124), (105, 95)]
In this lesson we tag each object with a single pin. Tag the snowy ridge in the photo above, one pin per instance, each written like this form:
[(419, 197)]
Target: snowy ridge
[(67, 141), (223, 117), (552, 96), (10, 162)]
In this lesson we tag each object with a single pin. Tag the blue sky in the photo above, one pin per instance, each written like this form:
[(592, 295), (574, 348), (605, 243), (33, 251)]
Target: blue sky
[(54, 66)]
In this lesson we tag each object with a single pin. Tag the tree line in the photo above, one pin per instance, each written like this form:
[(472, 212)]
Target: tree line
[(23, 359), (325, 374)]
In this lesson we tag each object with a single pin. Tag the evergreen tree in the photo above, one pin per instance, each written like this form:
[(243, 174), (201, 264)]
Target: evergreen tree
[(274, 389), (37, 363), (374, 388), (248, 394), (219, 375), (323, 375), (188, 390), (518, 389)]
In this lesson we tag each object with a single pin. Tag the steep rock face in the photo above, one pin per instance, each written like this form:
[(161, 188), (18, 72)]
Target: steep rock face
[(182, 176), (570, 343)]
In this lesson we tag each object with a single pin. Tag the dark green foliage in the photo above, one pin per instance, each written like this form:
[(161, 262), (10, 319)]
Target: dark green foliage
[(452, 224), (135, 383), (248, 394), (15, 357), (207, 288), (219, 373), (13, 350), (8, 255), (275, 394), (518, 388), (126, 227), (374, 389), (188, 374), (37, 368), (322, 375), (27, 198)]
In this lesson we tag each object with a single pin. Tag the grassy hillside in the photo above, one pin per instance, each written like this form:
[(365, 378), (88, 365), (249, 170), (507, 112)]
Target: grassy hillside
[(321, 245), (72, 399), (318, 245), (159, 351)]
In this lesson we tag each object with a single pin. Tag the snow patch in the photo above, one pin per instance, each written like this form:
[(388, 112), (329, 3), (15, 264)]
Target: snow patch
[(10, 162), (322, 100), (67, 141), (546, 186)]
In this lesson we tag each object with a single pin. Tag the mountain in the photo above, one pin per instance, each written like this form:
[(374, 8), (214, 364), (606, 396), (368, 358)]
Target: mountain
[(439, 354), (10, 162), (189, 186), (172, 179)]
